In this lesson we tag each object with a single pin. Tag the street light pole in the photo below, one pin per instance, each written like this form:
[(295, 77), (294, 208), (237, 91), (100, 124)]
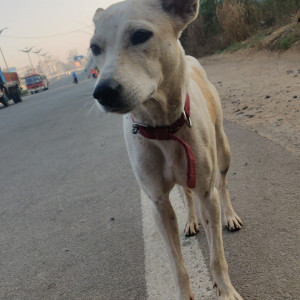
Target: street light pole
[(2, 51), (44, 54), (30, 60), (27, 51), (48, 57), (37, 52), (4, 59)]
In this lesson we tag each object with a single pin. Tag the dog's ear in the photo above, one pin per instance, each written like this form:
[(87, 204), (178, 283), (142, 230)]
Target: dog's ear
[(97, 15), (183, 11)]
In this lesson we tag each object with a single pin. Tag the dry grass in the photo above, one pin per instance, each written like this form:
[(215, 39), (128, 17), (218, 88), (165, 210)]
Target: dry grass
[(235, 24), (193, 38), (284, 37), (234, 19)]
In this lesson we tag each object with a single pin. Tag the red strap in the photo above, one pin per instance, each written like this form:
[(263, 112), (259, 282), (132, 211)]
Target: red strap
[(167, 133), (191, 162)]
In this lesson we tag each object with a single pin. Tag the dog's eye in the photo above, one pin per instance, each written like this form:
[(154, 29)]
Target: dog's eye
[(96, 50), (141, 36)]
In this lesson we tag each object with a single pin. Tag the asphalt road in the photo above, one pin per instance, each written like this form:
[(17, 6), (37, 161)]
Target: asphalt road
[(71, 224)]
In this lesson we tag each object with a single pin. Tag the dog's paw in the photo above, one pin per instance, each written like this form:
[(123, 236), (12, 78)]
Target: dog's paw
[(191, 228), (228, 293), (233, 296), (233, 222), (185, 294)]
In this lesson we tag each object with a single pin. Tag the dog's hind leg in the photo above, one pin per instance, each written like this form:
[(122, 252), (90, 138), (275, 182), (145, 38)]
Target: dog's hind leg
[(232, 220), (166, 223), (192, 224), (211, 219)]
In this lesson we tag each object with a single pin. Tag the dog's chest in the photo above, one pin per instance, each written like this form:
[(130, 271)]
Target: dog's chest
[(174, 162)]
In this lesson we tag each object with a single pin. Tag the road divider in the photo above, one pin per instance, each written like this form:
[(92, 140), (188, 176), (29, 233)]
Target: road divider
[(157, 268)]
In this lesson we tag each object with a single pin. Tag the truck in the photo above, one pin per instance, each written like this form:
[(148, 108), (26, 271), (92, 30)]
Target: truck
[(9, 88), (36, 83)]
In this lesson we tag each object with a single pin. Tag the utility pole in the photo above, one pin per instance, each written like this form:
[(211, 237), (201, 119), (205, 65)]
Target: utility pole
[(48, 57), (37, 53), (28, 51), (1, 30), (44, 54)]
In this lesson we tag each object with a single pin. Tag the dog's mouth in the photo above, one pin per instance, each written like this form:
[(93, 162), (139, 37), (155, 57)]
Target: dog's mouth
[(123, 108), (118, 110)]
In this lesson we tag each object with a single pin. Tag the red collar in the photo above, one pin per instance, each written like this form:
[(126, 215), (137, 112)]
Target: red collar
[(168, 133)]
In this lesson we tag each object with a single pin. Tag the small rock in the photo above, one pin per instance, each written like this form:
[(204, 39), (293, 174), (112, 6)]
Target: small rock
[(112, 218), (246, 164), (267, 97), (249, 116), (295, 97), (245, 107)]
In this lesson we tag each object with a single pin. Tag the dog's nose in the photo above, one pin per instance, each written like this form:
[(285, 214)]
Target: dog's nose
[(108, 92)]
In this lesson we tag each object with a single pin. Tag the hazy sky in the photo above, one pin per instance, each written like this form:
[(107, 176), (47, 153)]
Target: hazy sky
[(31, 22)]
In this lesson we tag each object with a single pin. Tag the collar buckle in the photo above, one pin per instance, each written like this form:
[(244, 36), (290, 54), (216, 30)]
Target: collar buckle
[(136, 126), (187, 119)]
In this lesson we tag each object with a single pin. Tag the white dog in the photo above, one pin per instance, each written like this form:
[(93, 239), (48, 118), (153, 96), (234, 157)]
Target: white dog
[(173, 123)]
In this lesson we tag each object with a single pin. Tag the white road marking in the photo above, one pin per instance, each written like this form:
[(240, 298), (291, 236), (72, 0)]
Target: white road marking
[(158, 275)]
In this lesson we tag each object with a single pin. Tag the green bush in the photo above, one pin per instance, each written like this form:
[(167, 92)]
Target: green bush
[(256, 39), (277, 12), (222, 22), (207, 12), (24, 92), (287, 41)]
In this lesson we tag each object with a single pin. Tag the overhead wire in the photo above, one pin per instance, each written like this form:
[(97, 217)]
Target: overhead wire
[(45, 36)]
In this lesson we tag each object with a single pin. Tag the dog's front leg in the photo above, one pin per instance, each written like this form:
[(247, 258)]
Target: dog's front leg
[(211, 218), (166, 223), (192, 225)]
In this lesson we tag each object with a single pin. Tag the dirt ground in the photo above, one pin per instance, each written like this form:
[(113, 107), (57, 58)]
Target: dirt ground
[(260, 90)]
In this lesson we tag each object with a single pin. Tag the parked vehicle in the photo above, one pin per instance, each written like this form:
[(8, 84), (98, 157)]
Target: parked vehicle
[(9, 87), (36, 83)]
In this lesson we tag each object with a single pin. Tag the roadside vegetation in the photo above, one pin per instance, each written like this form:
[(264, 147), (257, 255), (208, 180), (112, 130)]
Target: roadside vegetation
[(230, 25)]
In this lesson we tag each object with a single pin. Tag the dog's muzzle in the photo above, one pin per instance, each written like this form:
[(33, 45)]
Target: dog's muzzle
[(108, 93)]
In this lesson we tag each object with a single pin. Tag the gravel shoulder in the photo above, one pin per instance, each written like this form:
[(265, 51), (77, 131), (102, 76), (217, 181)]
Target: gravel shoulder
[(261, 91)]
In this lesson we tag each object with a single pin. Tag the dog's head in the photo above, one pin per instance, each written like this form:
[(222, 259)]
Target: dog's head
[(135, 45)]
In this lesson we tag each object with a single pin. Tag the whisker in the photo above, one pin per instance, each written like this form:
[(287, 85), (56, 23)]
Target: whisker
[(94, 108), (88, 103), (85, 100)]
